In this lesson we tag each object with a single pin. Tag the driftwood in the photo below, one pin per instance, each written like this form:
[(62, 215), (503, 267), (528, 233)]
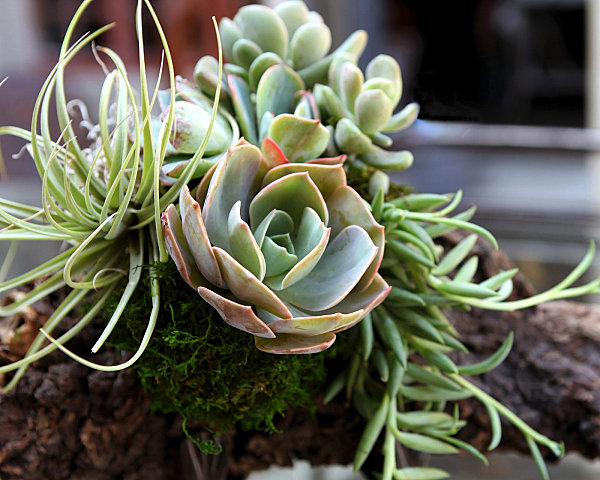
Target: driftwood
[(67, 422)]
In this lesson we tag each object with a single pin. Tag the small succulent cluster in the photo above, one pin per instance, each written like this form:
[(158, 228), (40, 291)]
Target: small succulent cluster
[(242, 179)]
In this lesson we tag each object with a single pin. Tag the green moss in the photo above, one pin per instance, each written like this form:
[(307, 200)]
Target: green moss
[(201, 368)]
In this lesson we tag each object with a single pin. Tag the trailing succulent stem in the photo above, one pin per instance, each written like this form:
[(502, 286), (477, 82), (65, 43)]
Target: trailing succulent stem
[(255, 183)]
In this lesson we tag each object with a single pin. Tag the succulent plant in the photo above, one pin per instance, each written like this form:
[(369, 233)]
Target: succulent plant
[(259, 37), (192, 113), (285, 251), (360, 108)]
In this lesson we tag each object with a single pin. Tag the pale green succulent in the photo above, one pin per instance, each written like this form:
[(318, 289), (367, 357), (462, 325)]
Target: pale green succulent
[(360, 109), (285, 251), (259, 37)]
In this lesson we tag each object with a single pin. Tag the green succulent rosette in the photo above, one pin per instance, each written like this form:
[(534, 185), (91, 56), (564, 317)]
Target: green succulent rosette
[(285, 251), (259, 37)]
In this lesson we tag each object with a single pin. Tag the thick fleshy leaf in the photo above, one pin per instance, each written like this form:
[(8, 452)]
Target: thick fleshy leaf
[(230, 33), (237, 315), (287, 344), (259, 66), (291, 194), (373, 110), (310, 243), (346, 208), (342, 265), (202, 189), (382, 84), (351, 81), (310, 43), (277, 222), (327, 178), (190, 128), (294, 13), (245, 286), (244, 110), (365, 300), (272, 153), (386, 67), (243, 245), (330, 105), (237, 177), (316, 325), (178, 248), (197, 238), (403, 119), (264, 27), (328, 160), (206, 75), (278, 259), (350, 139), (299, 138), (276, 90), (387, 160), (245, 51)]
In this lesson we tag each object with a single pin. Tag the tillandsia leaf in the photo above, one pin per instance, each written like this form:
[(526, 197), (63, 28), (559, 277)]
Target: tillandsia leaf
[(100, 197), (266, 221)]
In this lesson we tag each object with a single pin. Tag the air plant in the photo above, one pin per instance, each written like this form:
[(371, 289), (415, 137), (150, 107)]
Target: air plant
[(266, 228), (102, 201)]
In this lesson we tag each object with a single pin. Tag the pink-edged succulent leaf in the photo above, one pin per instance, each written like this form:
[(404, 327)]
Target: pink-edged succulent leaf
[(300, 139), (346, 207), (342, 265), (237, 177), (310, 244), (288, 344), (243, 245), (202, 189), (272, 153), (316, 325), (178, 248), (327, 178), (245, 286), (291, 194), (237, 315), (365, 300), (328, 160), (199, 244)]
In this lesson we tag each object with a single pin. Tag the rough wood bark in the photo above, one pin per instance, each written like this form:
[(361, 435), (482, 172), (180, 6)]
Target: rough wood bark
[(67, 422)]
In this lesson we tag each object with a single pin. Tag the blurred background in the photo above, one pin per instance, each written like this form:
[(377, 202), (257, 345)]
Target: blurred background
[(510, 109)]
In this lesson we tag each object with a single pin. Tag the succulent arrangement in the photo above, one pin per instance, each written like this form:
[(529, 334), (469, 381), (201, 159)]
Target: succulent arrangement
[(263, 180)]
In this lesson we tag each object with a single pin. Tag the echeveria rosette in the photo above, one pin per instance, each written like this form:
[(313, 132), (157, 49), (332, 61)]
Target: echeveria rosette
[(285, 251)]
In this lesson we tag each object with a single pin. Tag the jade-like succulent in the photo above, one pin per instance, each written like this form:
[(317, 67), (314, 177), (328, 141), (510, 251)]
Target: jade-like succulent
[(285, 251), (259, 37), (360, 108)]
